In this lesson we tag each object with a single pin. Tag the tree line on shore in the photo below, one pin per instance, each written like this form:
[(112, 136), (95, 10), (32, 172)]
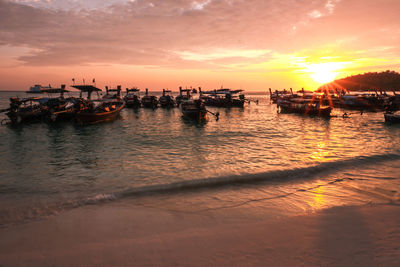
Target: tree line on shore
[(370, 81)]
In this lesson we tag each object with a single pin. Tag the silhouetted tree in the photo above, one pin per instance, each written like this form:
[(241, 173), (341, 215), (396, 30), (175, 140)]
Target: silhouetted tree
[(370, 81)]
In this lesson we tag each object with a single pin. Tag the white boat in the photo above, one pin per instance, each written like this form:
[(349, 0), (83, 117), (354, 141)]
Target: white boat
[(38, 89)]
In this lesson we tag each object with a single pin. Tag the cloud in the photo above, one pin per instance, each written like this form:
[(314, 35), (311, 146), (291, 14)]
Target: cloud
[(204, 33)]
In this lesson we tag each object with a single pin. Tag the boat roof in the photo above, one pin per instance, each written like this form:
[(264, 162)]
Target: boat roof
[(86, 88), (54, 90), (223, 91), (133, 90)]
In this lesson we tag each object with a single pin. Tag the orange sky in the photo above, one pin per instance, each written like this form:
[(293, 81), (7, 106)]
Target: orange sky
[(249, 44)]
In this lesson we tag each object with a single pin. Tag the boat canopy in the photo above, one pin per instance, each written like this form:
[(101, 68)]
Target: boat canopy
[(86, 88), (132, 90), (54, 90), (223, 92)]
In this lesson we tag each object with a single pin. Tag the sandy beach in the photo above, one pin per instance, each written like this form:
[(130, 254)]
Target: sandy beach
[(122, 234)]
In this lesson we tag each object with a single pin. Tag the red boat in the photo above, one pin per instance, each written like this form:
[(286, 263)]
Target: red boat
[(97, 111)]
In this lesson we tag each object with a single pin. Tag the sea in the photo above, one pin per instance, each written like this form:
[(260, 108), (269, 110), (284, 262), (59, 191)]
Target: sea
[(280, 164)]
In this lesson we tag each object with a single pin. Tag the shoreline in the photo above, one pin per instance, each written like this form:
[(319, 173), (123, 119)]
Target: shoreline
[(123, 233)]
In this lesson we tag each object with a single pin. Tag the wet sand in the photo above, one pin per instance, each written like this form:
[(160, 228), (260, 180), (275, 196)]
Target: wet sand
[(124, 234)]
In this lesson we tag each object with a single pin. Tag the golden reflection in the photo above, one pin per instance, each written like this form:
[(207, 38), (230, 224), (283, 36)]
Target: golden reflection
[(320, 154), (318, 201)]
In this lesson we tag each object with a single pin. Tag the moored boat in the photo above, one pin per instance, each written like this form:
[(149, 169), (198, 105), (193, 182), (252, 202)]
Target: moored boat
[(24, 110), (371, 102), (132, 98), (95, 111), (194, 109), (274, 96), (303, 107), (149, 101), (184, 95), (58, 108), (166, 100), (112, 94), (224, 97)]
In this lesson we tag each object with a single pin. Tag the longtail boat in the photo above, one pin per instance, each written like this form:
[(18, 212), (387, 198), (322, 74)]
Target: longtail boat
[(303, 107), (166, 100), (274, 96), (24, 110), (132, 98), (194, 109), (149, 101), (184, 95), (92, 111), (112, 94), (59, 108), (224, 97), (362, 102)]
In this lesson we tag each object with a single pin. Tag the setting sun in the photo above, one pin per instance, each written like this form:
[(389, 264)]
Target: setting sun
[(324, 72)]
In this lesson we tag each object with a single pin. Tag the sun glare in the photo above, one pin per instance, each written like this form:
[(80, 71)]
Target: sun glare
[(324, 72)]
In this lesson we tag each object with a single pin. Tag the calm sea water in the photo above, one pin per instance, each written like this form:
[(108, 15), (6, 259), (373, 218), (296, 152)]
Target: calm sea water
[(282, 163)]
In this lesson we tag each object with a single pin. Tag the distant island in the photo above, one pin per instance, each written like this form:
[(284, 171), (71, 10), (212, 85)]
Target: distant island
[(370, 81)]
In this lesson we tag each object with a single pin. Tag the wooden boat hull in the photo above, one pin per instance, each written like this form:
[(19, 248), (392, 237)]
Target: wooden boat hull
[(224, 103), (149, 102), (85, 117), (194, 110), (166, 102), (305, 110), (132, 103), (25, 115), (195, 115), (63, 115)]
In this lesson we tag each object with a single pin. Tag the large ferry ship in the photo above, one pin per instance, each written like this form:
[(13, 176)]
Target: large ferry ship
[(38, 89)]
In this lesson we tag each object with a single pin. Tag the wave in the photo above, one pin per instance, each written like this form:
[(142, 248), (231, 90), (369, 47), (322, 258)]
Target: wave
[(207, 183), (279, 175)]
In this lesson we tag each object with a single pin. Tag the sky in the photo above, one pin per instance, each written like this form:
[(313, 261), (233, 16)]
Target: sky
[(248, 44)]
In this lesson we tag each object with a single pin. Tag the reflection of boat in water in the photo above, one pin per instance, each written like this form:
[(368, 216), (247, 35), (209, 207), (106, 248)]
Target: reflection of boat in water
[(166, 100), (392, 117), (149, 101), (303, 107), (132, 98), (92, 111)]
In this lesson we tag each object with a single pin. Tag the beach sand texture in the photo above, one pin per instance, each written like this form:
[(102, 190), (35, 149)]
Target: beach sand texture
[(125, 234)]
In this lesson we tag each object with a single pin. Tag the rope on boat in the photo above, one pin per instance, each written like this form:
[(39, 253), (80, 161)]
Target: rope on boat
[(252, 100), (215, 114)]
